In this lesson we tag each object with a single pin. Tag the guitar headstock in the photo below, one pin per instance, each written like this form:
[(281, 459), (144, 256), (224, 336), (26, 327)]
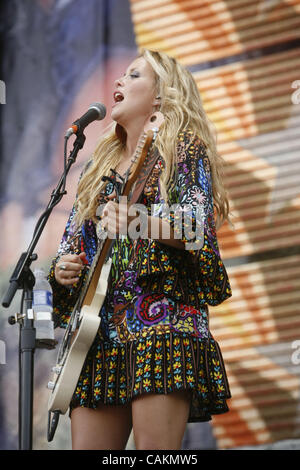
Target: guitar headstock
[(151, 129)]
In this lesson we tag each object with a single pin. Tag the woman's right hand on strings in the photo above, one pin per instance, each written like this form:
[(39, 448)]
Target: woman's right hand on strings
[(69, 267)]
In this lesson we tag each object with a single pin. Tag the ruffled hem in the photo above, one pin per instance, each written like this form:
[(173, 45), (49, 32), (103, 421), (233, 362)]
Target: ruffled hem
[(115, 373)]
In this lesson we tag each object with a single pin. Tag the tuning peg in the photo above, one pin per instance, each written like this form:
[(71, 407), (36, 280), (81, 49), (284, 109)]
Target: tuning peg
[(50, 385)]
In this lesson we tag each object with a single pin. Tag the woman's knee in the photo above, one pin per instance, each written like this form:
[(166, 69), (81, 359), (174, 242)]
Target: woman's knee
[(159, 421), (106, 427)]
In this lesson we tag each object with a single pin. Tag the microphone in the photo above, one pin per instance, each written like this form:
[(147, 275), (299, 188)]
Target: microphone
[(96, 111)]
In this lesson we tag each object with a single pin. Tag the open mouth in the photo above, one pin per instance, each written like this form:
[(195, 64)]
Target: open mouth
[(118, 96)]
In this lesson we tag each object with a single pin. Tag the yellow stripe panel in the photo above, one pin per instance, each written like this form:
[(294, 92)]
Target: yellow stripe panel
[(256, 331), (197, 31)]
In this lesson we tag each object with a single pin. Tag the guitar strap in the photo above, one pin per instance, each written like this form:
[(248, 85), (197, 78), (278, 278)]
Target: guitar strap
[(145, 172)]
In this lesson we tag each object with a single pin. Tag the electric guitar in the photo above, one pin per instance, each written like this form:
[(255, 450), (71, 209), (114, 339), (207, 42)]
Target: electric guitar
[(85, 320)]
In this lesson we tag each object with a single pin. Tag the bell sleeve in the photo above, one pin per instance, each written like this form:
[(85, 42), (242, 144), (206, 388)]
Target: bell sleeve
[(195, 274), (64, 297), (196, 219)]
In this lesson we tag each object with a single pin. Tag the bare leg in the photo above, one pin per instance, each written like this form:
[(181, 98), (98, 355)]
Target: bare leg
[(107, 427), (159, 421)]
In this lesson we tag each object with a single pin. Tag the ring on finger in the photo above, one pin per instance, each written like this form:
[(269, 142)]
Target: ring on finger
[(62, 267)]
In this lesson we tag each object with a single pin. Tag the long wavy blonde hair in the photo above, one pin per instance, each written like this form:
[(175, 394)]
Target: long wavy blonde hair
[(181, 105)]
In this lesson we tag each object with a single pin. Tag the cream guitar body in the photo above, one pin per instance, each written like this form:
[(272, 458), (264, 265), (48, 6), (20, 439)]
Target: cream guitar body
[(81, 336)]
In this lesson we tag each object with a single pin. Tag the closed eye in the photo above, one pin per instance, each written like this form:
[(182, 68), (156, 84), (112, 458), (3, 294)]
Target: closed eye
[(132, 74)]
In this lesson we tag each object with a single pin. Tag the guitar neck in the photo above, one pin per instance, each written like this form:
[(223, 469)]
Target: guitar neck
[(95, 274)]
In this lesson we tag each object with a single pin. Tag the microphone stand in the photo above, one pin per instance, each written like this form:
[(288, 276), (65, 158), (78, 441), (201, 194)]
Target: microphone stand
[(23, 278)]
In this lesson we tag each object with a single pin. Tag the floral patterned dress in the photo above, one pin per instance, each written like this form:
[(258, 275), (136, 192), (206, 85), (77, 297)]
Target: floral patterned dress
[(154, 334)]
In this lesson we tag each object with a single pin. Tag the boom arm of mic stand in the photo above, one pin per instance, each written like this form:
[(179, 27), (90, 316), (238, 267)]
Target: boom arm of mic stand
[(21, 272)]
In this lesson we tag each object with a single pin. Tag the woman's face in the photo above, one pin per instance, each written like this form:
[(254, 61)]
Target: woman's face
[(134, 96)]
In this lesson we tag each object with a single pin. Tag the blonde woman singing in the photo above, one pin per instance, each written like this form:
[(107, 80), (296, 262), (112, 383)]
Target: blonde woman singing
[(154, 365)]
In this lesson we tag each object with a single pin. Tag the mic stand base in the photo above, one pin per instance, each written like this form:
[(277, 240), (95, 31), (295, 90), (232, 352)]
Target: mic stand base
[(27, 337)]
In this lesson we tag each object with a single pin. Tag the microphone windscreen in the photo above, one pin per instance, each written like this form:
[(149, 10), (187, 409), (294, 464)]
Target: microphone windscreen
[(100, 108)]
